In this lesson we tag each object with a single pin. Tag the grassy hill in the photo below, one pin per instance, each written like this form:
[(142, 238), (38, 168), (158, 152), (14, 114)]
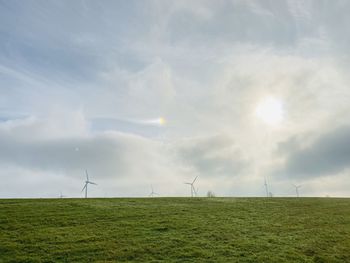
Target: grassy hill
[(175, 230)]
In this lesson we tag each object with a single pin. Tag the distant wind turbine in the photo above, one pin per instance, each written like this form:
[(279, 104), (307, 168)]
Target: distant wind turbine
[(61, 195), (266, 188), (152, 194), (193, 190), (86, 183), (297, 189)]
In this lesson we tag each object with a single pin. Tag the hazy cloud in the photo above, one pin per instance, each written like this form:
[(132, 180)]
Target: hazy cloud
[(73, 75)]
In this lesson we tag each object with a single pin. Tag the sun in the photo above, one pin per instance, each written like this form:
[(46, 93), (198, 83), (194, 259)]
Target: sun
[(270, 111)]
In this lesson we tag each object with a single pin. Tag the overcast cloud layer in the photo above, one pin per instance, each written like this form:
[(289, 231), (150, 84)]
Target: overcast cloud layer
[(145, 93)]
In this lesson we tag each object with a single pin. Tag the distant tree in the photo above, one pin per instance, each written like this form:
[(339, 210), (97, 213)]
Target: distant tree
[(210, 194)]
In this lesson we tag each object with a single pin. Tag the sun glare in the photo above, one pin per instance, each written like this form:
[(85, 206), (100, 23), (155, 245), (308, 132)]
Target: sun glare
[(270, 111), (161, 121)]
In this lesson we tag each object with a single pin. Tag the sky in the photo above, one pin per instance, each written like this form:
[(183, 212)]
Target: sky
[(142, 93)]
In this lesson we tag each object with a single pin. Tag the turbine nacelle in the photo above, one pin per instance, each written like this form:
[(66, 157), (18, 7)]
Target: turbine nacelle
[(193, 190), (86, 183), (152, 194)]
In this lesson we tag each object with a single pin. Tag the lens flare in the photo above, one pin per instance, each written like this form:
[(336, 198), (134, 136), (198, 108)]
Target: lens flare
[(158, 121), (161, 121)]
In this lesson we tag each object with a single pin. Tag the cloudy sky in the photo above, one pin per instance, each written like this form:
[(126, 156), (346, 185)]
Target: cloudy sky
[(159, 92)]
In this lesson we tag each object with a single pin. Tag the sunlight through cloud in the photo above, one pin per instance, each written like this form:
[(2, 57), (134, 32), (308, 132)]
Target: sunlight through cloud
[(270, 110)]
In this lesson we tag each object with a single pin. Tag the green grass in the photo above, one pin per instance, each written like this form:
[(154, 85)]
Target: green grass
[(175, 230)]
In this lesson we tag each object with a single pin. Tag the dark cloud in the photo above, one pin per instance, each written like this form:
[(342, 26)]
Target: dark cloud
[(213, 156), (114, 154), (328, 154), (111, 154)]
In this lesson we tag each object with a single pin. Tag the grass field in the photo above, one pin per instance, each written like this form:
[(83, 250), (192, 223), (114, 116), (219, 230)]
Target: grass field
[(175, 230)]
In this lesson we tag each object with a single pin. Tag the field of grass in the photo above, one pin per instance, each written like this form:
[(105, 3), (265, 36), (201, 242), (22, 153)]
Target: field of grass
[(175, 230)]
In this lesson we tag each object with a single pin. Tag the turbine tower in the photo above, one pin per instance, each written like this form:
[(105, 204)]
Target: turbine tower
[(193, 190), (86, 184), (266, 188), (61, 195), (297, 189), (152, 194)]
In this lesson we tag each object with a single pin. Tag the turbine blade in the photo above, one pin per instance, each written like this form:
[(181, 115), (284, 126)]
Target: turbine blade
[(92, 183), (84, 187), (194, 179), (87, 175)]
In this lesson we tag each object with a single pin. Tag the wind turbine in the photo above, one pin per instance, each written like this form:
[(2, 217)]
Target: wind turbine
[(152, 194), (297, 189), (86, 183), (61, 195), (266, 188), (193, 190)]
